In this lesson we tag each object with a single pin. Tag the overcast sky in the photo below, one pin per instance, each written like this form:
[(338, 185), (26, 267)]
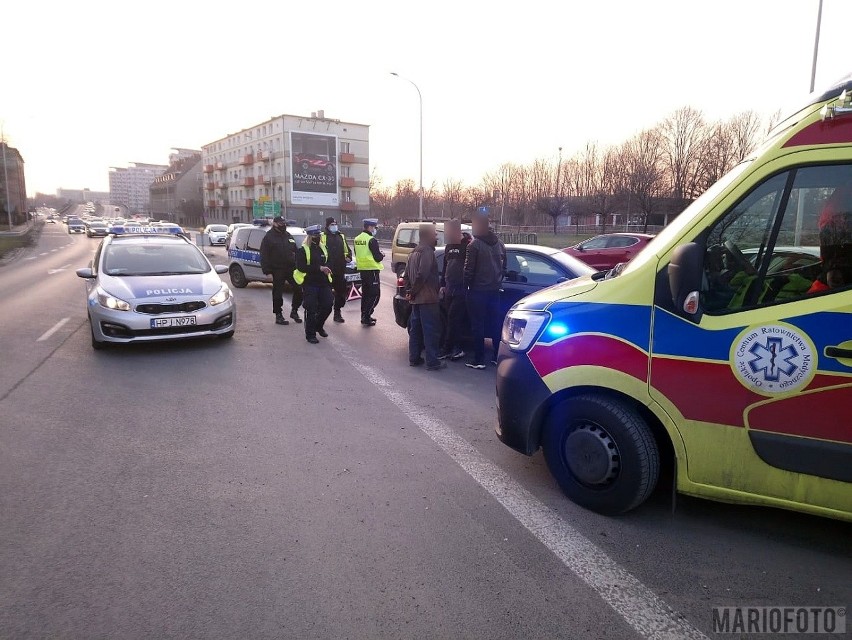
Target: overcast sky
[(87, 85)]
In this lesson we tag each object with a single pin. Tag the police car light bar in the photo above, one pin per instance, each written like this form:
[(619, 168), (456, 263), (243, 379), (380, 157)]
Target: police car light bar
[(140, 230)]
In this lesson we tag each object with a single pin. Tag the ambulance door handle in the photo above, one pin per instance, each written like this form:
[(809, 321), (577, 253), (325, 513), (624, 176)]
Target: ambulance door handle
[(837, 352)]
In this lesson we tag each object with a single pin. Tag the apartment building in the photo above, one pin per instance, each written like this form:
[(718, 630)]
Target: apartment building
[(176, 194), (13, 188), (129, 186), (305, 168)]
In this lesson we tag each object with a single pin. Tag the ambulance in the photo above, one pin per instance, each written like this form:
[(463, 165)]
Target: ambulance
[(722, 352)]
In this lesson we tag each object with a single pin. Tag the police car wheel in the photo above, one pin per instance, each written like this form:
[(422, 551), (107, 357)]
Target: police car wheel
[(602, 454), (238, 277)]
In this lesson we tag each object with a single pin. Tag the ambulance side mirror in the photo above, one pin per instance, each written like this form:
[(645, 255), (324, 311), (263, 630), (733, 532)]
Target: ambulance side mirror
[(685, 274)]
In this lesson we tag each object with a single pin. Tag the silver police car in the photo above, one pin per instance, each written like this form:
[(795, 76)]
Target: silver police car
[(150, 283)]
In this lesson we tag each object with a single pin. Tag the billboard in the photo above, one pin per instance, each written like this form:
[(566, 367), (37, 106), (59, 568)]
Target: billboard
[(314, 169)]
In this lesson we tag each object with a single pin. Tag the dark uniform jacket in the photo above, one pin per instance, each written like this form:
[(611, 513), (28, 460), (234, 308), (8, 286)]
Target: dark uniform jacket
[(452, 277), (338, 251), (277, 251), (313, 276)]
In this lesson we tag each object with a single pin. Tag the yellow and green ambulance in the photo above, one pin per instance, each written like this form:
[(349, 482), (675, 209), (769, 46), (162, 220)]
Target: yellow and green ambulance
[(722, 351)]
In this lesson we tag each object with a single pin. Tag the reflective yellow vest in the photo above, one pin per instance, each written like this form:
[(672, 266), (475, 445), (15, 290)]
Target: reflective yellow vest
[(324, 242), (299, 276), (364, 259)]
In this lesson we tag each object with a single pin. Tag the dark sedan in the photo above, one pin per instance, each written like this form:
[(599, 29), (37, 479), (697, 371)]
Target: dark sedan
[(605, 251), (529, 268)]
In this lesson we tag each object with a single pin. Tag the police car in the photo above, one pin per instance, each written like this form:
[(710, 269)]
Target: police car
[(150, 283)]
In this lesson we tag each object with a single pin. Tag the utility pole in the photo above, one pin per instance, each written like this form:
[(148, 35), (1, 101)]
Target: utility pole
[(420, 96)]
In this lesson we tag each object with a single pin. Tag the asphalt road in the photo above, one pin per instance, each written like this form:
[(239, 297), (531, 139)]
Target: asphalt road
[(264, 487)]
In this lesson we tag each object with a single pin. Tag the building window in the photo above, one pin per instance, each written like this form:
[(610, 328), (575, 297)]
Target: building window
[(346, 195), (344, 147), (344, 171)]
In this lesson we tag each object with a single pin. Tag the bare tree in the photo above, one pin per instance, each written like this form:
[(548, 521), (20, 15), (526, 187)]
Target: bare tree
[(452, 195), (644, 159), (684, 133)]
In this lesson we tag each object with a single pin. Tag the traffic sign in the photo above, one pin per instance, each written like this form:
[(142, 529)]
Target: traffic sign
[(265, 209)]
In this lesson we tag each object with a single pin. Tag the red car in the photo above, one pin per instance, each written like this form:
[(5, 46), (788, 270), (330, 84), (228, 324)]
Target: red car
[(606, 251), (308, 161)]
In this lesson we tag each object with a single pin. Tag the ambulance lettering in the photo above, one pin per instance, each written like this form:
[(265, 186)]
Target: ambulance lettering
[(773, 359)]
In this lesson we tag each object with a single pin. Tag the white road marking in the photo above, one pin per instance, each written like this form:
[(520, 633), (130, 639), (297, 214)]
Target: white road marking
[(31, 258), (53, 330), (43, 254), (640, 607), (63, 268)]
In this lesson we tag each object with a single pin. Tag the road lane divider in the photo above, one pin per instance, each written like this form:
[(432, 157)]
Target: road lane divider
[(638, 605), (50, 272), (53, 330)]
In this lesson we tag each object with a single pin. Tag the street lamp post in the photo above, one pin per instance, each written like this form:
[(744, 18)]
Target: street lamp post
[(420, 96), (816, 45)]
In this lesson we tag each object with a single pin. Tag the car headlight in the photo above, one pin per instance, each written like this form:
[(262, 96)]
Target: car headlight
[(521, 328), (111, 302), (223, 295)]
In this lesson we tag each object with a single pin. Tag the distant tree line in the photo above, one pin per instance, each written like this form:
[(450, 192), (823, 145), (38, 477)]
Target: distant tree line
[(642, 181)]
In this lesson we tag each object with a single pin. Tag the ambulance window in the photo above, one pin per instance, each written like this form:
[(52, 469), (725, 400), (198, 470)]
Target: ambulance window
[(790, 238)]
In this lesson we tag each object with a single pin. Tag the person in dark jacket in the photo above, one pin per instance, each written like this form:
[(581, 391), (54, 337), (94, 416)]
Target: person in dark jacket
[(424, 326), (278, 259), (338, 257), (484, 267), (454, 299), (314, 274)]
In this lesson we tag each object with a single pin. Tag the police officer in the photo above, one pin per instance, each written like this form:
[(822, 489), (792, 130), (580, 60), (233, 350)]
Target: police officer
[(368, 259), (338, 256), (278, 258), (314, 274)]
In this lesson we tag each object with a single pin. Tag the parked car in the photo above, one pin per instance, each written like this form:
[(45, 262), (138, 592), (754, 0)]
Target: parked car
[(529, 268), (605, 251), (244, 254), (215, 234), (405, 239)]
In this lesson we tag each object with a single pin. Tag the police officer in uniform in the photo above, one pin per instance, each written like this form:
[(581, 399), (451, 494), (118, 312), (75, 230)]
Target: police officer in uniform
[(338, 256), (313, 273), (368, 259)]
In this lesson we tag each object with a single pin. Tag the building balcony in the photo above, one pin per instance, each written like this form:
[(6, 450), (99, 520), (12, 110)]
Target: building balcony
[(348, 206), (211, 203), (222, 203), (346, 158), (347, 182), (263, 180), (262, 155), (208, 168), (249, 203), (248, 181), (210, 186), (220, 166), (221, 185), (247, 159)]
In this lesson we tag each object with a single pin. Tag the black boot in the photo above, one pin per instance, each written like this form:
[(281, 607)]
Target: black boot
[(295, 315), (338, 317), (280, 319), (322, 333)]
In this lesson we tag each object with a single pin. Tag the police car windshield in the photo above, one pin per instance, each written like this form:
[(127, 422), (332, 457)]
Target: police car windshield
[(153, 260)]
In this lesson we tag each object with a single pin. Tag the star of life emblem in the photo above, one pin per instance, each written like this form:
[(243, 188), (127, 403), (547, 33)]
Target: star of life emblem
[(773, 359)]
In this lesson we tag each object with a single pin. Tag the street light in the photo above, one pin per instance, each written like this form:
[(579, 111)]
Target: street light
[(816, 45), (419, 95)]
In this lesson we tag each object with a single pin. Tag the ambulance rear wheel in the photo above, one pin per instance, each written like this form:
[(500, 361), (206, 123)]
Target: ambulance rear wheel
[(602, 453), (238, 276)]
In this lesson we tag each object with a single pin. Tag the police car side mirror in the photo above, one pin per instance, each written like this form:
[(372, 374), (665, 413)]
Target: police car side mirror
[(221, 268), (685, 271), (85, 272)]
